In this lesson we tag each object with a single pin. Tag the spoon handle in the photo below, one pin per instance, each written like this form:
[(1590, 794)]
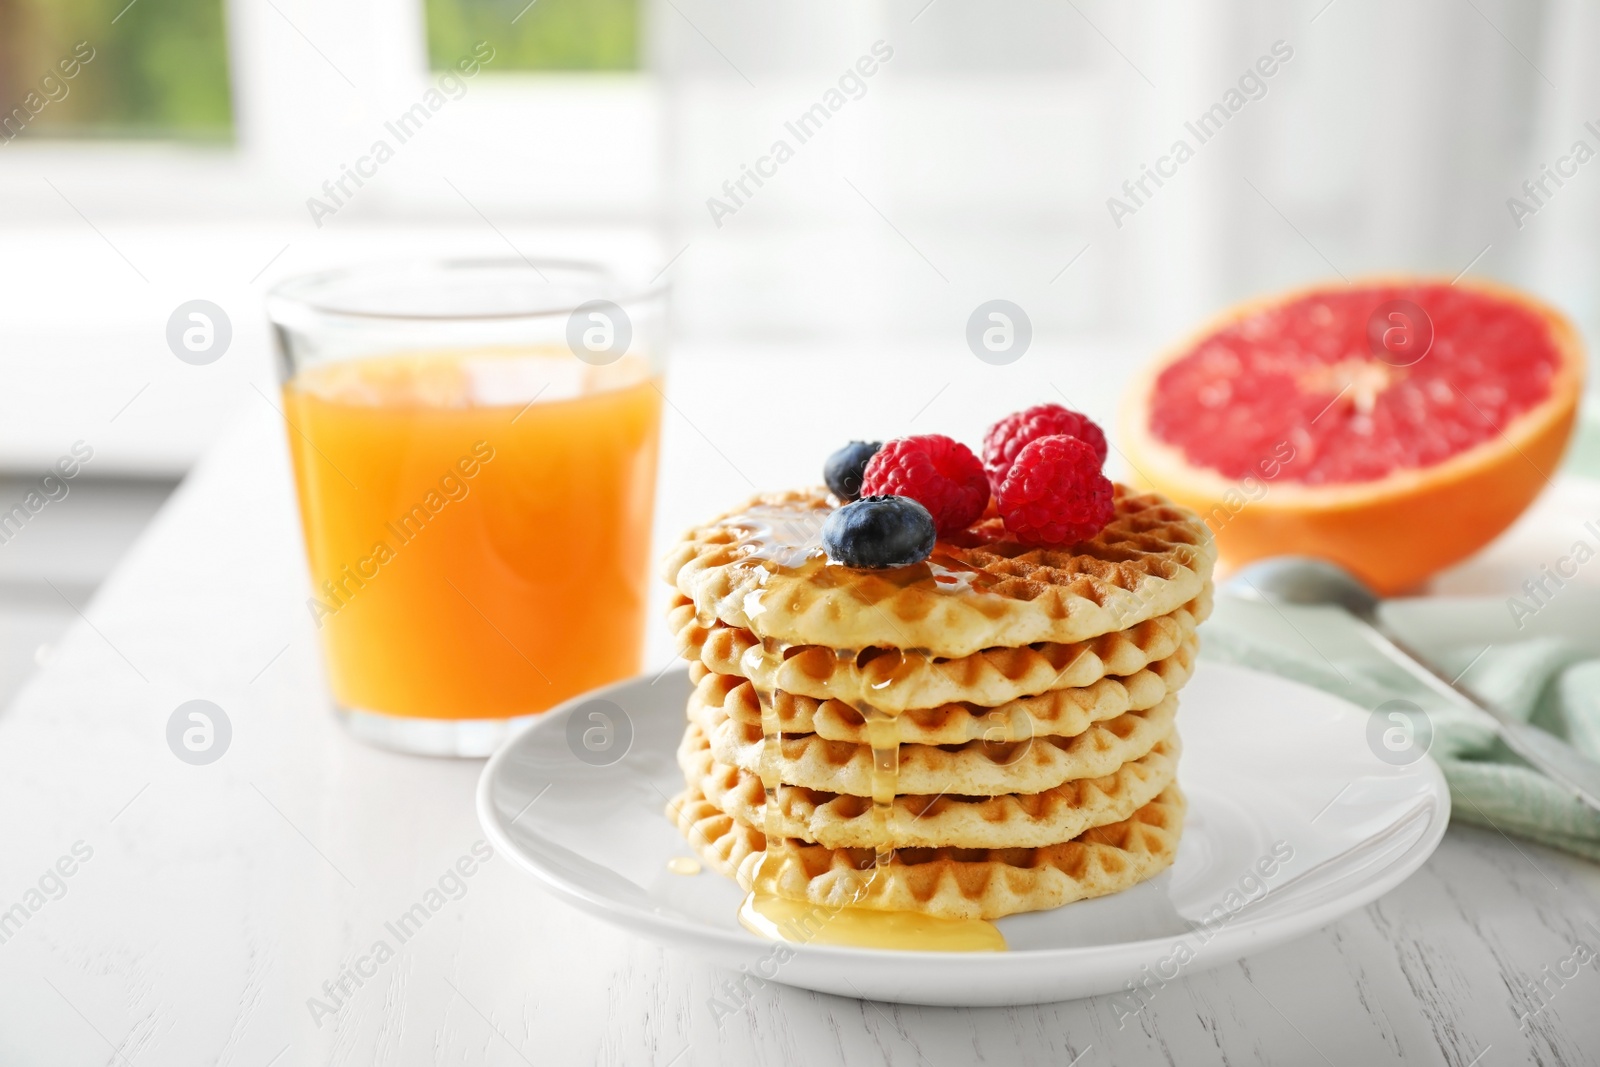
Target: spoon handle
[(1558, 760)]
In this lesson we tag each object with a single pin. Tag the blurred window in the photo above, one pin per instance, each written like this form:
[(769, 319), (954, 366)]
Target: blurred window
[(108, 68), (553, 35)]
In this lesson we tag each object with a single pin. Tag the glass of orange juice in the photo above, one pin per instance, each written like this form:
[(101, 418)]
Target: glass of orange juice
[(474, 446)]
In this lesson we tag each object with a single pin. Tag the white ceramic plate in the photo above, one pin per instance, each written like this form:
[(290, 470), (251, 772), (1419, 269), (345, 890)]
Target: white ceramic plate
[(1280, 778)]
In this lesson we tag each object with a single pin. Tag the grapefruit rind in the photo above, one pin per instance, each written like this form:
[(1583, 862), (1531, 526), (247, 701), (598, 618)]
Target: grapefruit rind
[(1397, 530)]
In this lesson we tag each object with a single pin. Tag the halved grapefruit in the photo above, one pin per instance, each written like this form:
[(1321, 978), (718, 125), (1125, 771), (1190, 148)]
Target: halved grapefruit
[(1394, 426)]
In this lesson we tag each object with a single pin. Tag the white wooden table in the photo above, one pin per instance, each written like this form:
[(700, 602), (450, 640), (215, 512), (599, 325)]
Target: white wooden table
[(216, 901)]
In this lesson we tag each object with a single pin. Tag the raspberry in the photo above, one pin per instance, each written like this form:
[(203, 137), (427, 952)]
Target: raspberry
[(1006, 437), (1055, 493), (940, 474)]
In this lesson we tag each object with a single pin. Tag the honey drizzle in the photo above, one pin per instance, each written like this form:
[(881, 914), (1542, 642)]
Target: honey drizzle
[(755, 658), (883, 735), (793, 545)]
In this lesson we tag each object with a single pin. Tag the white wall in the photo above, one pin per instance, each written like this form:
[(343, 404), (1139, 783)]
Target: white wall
[(976, 165), (1390, 141)]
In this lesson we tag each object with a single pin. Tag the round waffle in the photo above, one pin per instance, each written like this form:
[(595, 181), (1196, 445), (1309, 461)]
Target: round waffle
[(894, 681), (762, 569), (1058, 712), (976, 768), (957, 883), (1020, 820)]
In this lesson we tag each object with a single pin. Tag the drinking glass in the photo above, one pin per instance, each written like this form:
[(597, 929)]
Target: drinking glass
[(474, 446)]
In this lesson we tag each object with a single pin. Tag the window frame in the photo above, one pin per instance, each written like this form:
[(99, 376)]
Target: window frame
[(311, 83)]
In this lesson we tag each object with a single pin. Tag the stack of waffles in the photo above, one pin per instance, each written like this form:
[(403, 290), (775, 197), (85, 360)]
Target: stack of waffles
[(987, 732)]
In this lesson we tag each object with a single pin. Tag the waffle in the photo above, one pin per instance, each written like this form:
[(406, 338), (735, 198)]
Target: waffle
[(760, 569), (976, 768), (894, 681), (1011, 708), (840, 820), (957, 883), (1059, 712)]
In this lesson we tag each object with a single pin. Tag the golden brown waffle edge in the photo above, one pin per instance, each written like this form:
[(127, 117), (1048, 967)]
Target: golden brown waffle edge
[(987, 591), (949, 882), (1014, 820)]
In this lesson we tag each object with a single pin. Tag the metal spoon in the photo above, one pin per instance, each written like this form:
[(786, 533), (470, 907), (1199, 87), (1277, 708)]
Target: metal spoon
[(1306, 580)]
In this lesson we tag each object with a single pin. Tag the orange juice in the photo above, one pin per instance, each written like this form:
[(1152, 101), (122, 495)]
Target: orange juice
[(477, 524)]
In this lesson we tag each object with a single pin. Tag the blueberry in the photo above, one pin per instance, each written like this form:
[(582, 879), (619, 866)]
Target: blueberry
[(845, 467), (879, 531)]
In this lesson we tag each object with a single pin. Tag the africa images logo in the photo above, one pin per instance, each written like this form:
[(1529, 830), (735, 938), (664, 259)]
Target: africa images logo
[(454, 486), (451, 885), (339, 191), (851, 85), (53, 88), (1252, 85)]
